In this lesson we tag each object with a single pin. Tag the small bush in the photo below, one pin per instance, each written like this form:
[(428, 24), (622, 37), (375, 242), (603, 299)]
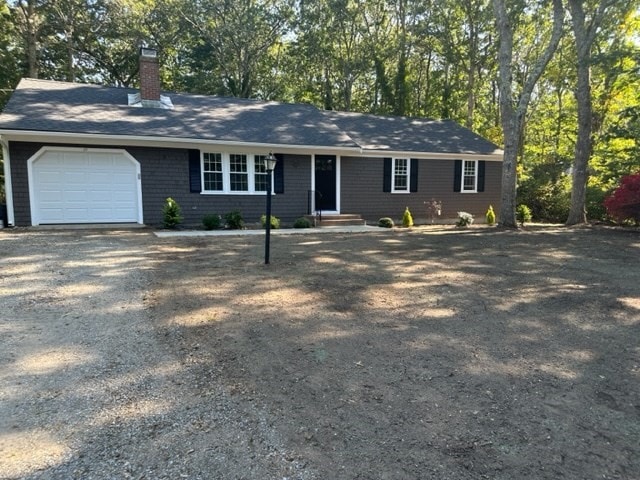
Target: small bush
[(171, 213), (302, 222), (407, 219), (464, 219), (234, 220), (386, 222), (491, 216), (275, 221), (212, 221), (523, 214)]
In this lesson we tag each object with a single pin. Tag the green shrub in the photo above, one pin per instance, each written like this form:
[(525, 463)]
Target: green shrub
[(491, 216), (464, 219), (275, 221), (386, 222), (212, 221), (595, 202), (407, 219), (302, 222), (523, 214), (171, 213), (234, 220), (549, 200)]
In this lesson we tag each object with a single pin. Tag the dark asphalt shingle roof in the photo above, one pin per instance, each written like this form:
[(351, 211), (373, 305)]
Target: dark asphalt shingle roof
[(49, 106), (405, 134), (81, 108)]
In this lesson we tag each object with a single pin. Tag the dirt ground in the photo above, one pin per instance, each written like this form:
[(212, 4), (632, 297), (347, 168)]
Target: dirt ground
[(433, 353)]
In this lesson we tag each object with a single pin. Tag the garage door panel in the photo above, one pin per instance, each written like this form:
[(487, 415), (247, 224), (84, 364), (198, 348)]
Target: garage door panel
[(100, 196), (51, 196), (56, 214), (85, 187)]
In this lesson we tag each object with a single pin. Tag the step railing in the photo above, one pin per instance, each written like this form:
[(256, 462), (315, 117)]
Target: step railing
[(314, 204)]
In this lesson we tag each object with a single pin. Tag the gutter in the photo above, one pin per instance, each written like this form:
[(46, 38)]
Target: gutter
[(8, 187), (495, 156), (175, 142), (245, 147)]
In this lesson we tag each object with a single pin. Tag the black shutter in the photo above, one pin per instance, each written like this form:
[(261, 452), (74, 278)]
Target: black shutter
[(413, 181), (195, 184), (386, 176), (481, 168), (278, 174), (457, 175)]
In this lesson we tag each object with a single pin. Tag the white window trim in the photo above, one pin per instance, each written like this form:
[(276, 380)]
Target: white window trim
[(475, 177), (393, 175), (226, 175)]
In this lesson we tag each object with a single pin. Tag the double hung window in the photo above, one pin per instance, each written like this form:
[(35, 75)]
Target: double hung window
[(401, 174), (469, 176), (233, 173)]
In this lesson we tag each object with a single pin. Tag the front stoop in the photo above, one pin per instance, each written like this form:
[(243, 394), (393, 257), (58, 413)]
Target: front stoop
[(344, 219)]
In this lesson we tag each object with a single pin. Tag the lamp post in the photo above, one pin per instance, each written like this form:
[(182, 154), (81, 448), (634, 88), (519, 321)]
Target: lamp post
[(269, 165)]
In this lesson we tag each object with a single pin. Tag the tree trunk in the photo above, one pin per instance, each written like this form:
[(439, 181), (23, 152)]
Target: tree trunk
[(507, 216), (472, 58), (584, 36), (32, 28), (401, 75), (580, 175)]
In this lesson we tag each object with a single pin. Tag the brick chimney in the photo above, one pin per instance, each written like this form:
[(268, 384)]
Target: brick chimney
[(149, 75)]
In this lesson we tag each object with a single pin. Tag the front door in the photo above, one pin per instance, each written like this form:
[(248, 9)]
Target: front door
[(325, 183)]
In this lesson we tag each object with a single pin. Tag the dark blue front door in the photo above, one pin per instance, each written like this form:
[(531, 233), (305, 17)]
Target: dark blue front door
[(325, 187)]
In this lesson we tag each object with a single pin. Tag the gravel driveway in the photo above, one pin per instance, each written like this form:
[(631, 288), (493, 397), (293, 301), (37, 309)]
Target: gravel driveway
[(89, 390), (431, 353)]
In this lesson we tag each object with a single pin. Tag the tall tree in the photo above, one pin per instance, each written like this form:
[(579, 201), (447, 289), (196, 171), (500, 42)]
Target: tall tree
[(29, 20), (240, 34), (585, 29), (10, 70), (512, 110)]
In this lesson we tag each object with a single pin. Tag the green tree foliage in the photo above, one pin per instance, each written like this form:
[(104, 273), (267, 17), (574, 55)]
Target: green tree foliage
[(240, 37)]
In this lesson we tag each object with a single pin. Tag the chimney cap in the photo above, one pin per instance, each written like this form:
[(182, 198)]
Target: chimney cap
[(148, 52)]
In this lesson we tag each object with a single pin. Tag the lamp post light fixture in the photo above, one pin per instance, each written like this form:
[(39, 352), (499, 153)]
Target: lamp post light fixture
[(269, 165)]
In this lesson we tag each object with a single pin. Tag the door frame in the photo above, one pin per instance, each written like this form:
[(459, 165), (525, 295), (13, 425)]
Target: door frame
[(338, 183), (33, 194)]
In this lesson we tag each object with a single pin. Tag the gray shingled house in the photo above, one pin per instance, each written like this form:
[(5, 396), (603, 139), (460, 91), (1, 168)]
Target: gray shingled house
[(77, 153)]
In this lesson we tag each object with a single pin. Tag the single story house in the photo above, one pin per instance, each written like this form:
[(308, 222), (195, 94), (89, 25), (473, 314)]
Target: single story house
[(77, 153)]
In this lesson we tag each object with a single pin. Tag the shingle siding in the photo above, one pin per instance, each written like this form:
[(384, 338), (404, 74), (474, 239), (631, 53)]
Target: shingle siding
[(165, 173), (20, 153), (362, 190)]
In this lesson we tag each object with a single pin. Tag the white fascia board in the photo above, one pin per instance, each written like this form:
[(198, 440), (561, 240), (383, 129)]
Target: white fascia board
[(492, 157), (244, 147), (166, 142), (8, 186)]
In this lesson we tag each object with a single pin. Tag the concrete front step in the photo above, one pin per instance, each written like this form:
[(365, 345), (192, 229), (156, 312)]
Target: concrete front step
[(347, 219)]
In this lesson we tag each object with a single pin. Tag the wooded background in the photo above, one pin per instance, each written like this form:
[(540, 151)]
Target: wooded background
[(572, 94)]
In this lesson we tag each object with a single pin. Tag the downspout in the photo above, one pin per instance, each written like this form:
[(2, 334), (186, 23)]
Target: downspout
[(8, 188)]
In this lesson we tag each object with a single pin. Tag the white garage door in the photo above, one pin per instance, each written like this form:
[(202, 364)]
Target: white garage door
[(84, 186)]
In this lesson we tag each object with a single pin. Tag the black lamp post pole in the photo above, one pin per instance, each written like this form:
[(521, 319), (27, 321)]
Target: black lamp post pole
[(268, 235)]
